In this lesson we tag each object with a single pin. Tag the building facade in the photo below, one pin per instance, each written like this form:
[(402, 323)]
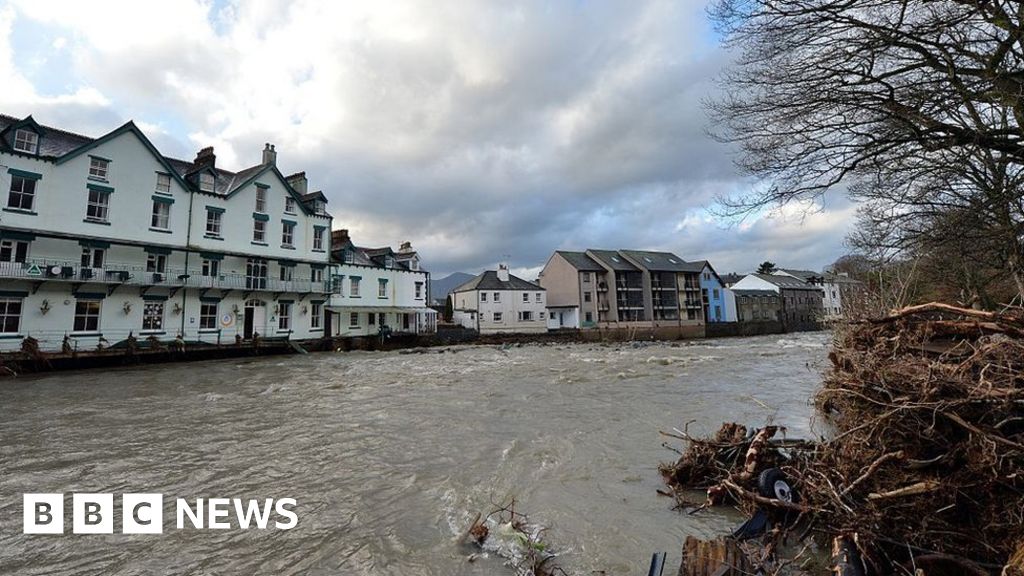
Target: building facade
[(626, 289), (377, 290), (802, 305), (757, 305), (833, 289), (498, 302), (716, 299), (102, 239)]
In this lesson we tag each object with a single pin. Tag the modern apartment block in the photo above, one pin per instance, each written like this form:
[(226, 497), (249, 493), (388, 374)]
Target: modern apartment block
[(102, 238), (626, 289), (377, 290), (497, 302)]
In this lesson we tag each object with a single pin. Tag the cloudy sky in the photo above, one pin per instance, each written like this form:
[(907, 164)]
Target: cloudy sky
[(481, 131)]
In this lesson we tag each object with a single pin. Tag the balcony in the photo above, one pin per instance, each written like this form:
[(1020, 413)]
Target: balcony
[(39, 270)]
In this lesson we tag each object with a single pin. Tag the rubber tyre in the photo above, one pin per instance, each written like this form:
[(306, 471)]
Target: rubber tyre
[(772, 483)]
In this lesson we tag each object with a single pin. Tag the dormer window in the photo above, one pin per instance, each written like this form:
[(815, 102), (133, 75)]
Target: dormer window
[(26, 141), (206, 182), (98, 168), (319, 207), (389, 262), (289, 205)]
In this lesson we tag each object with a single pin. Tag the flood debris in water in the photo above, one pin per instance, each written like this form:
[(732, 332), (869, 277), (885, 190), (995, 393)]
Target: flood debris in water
[(923, 472), (510, 535)]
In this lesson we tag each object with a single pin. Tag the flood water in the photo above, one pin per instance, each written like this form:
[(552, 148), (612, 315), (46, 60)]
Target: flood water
[(389, 455)]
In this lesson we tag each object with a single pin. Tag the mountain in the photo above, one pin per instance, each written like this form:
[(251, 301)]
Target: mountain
[(440, 288)]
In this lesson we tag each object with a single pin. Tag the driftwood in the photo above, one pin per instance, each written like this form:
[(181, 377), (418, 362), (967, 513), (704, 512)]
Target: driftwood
[(720, 557), (927, 409)]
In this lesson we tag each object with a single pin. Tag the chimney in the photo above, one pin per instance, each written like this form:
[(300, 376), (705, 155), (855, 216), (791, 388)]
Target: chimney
[(299, 182), (206, 158), (339, 237), (405, 248), (269, 154), (503, 272)]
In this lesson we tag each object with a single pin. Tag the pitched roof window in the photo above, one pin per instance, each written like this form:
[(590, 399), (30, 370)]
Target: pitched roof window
[(26, 141), (206, 182)]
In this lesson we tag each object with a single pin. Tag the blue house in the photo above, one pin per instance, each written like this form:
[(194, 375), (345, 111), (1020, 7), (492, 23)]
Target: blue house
[(714, 294)]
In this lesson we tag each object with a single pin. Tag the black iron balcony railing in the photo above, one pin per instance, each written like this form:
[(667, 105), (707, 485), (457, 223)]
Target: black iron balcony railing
[(133, 275)]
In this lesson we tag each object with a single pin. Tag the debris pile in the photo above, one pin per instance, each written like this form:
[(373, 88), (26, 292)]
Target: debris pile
[(924, 462), (510, 535)]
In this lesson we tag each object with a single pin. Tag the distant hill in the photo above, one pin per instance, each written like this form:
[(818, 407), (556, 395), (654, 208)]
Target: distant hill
[(442, 287)]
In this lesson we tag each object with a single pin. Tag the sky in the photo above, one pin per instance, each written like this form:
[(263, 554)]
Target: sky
[(482, 132)]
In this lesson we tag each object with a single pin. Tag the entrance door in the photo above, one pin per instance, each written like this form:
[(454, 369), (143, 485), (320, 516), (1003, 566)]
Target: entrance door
[(255, 318)]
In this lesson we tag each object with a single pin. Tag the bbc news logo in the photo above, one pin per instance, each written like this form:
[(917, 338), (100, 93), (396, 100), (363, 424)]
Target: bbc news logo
[(143, 513)]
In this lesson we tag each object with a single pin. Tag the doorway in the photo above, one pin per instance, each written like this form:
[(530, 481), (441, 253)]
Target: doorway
[(255, 318)]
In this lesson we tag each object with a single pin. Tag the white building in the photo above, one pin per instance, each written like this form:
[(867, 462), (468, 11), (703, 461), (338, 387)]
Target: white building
[(496, 302), (376, 290), (833, 286), (102, 238)]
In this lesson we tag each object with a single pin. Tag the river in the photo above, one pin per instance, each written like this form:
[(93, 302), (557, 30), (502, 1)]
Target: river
[(389, 455)]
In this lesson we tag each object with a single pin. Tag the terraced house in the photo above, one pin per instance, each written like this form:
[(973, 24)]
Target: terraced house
[(625, 289), (377, 290), (102, 238)]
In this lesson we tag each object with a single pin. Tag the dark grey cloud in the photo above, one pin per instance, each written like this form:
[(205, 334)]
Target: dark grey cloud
[(474, 129)]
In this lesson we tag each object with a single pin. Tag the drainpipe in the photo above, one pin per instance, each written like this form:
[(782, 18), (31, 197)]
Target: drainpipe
[(188, 244)]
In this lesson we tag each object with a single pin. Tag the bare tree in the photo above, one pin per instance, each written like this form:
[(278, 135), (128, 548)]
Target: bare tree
[(916, 106)]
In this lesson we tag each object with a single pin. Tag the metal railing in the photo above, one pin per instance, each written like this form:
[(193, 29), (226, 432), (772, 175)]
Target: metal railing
[(134, 275)]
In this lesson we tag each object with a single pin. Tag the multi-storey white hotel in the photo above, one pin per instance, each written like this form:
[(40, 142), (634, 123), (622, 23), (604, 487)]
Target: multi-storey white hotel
[(102, 238)]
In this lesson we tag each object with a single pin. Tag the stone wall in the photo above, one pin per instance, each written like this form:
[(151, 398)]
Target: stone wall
[(727, 329)]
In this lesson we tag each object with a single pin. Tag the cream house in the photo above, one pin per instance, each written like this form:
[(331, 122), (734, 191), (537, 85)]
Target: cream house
[(498, 302)]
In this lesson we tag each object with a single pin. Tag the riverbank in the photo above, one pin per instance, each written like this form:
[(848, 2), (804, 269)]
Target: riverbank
[(30, 360)]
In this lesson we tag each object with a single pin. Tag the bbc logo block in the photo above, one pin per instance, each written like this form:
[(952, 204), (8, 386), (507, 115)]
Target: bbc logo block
[(144, 513), (93, 513)]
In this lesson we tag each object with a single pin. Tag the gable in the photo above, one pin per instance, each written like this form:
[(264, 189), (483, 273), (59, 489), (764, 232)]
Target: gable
[(254, 180), (128, 128)]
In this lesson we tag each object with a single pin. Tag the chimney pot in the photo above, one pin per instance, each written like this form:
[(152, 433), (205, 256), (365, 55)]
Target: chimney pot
[(269, 154)]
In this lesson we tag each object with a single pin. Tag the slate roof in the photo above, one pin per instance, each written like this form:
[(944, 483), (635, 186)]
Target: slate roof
[(54, 143), (662, 261), (749, 293), (226, 180), (489, 281), (731, 278), (611, 259), (804, 275), (787, 282), (580, 261)]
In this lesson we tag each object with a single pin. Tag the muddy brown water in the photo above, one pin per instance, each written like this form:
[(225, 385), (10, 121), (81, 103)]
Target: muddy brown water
[(389, 455)]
